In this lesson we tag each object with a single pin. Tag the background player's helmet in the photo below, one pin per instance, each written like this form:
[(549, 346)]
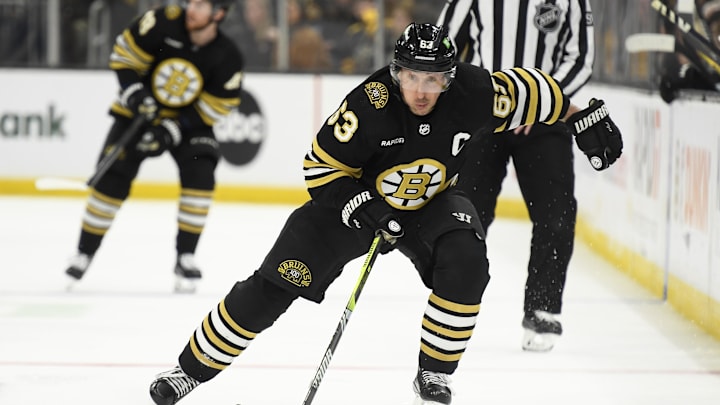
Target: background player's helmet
[(426, 48), (223, 4)]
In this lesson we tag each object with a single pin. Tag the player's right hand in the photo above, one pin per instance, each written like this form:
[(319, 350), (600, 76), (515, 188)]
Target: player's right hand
[(140, 101), (363, 211)]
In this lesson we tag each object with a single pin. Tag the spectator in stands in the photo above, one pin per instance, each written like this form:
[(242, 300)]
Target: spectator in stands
[(308, 50), (253, 29), (355, 52)]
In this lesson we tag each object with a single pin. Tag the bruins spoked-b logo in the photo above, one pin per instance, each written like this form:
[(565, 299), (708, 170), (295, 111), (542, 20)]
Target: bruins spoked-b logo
[(410, 186), (176, 82), (296, 272), (242, 132), (547, 17)]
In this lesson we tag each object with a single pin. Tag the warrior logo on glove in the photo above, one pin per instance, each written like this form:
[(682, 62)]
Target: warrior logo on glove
[(597, 135)]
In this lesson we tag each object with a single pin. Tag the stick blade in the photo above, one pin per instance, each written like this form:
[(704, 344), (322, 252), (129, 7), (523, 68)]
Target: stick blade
[(57, 183), (649, 42)]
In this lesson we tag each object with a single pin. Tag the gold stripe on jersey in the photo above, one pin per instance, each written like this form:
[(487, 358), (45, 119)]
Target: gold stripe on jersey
[(184, 226), (446, 328), (435, 354), (195, 192), (219, 339), (453, 306), (212, 108), (440, 330), (193, 210), (557, 95), (320, 168), (94, 230), (202, 358), (128, 55), (106, 199), (533, 96), (237, 328), (100, 211)]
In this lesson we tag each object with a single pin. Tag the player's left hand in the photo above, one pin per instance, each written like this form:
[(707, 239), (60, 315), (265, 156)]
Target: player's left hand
[(597, 135), (159, 138)]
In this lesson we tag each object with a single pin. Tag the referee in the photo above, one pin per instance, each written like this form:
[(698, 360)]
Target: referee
[(556, 36)]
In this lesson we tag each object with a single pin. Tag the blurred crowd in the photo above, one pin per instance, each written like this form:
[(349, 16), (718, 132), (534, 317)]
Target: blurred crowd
[(314, 36), (339, 36)]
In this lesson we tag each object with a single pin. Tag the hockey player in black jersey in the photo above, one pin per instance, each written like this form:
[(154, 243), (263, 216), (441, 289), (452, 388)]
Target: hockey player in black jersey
[(181, 74), (386, 162)]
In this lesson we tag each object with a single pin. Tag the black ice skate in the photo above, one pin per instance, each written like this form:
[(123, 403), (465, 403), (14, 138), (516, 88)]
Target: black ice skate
[(187, 274), (77, 268), (171, 386), (541, 331), (432, 388)]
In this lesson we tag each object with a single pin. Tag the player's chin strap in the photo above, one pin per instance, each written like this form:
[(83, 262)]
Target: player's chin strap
[(345, 318)]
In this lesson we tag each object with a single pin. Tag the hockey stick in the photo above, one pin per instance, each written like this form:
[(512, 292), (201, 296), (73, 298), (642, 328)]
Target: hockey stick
[(364, 273), (650, 42), (54, 183), (697, 48)]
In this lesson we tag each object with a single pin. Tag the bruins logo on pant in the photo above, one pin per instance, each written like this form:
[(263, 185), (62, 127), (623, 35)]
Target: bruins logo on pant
[(296, 272)]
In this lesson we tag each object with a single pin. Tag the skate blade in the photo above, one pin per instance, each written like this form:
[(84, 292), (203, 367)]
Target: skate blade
[(420, 401), (538, 342), (185, 285), (71, 283)]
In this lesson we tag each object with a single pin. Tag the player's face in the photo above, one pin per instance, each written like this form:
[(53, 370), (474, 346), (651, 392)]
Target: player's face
[(421, 90), (199, 14)]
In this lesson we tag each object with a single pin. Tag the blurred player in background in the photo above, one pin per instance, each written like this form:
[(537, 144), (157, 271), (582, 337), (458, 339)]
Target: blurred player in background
[(179, 73), (386, 162), (682, 69), (557, 37)]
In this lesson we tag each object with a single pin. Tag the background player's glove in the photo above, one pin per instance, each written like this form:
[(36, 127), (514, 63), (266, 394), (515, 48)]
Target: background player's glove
[(363, 211), (597, 135), (140, 101), (159, 138)]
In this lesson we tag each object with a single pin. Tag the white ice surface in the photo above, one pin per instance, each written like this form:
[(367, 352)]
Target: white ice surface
[(102, 343)]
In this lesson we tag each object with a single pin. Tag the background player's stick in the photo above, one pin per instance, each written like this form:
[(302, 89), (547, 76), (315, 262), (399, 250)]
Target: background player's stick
[(54, 183), (650, 42), (700, 51), (364, 273)]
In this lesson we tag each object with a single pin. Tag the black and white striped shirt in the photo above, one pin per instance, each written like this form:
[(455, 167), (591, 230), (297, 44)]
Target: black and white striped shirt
[(553, 35)]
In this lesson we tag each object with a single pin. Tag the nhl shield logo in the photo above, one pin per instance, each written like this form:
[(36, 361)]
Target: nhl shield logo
[(424, 129), (547, 17)]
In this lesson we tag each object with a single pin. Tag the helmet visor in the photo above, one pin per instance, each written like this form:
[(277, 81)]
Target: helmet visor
[(422, 81)]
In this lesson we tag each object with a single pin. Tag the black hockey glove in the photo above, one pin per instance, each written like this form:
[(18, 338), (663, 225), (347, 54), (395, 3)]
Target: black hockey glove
[(159, 138), (140, 101), (363, 211), (597, 135)]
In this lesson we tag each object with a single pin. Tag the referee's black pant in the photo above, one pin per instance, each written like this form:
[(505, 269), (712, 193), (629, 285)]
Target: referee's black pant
[(543, 162)]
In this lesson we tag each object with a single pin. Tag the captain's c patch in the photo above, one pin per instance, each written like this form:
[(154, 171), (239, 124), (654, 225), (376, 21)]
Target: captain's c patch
[(295, 272)]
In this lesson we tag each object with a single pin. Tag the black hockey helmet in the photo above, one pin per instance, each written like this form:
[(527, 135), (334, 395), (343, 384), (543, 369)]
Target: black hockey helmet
[(426, 48)]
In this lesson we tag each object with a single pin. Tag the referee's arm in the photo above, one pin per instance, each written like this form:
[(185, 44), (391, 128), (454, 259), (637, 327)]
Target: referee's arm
[(575, 67)]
